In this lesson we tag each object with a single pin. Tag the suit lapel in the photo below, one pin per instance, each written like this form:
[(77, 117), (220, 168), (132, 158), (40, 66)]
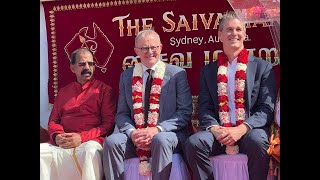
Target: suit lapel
[(250, 76), (211, 79), (164, 86), (129, 89)]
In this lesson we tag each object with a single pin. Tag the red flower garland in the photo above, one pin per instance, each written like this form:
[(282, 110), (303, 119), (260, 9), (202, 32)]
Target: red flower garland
[(240, 78), (153, 113)]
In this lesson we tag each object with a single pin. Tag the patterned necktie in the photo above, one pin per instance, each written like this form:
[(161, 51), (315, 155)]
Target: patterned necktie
[(147, 95)]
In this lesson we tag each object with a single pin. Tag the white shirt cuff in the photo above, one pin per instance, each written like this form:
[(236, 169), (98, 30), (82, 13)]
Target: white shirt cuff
[(248, 125), (129, 132), (208, 128), (160, 128)]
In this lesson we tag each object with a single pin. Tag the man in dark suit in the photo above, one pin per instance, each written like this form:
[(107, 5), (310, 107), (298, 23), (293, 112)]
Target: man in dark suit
[(152, 122), (236, 104)]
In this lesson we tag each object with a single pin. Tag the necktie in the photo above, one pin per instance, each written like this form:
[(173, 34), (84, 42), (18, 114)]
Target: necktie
[(147, 95)]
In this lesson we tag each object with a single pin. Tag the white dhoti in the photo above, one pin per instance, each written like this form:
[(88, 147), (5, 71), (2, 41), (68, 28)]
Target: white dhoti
[(81, 163)]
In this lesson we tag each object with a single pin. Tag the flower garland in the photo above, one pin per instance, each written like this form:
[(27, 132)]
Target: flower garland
[(153, 113), (240, 78)]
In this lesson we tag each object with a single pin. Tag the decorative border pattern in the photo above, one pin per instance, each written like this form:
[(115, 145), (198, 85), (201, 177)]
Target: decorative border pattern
[(195, 120), (70, 7)]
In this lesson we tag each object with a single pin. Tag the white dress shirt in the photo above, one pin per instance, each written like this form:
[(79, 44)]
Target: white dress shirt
[(145, 75), (231, 73)]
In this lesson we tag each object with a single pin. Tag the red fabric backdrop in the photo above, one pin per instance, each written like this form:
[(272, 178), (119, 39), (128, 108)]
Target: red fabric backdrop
[(109, 29)]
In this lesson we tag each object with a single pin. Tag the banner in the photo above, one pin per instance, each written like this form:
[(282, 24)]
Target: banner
[(188, 31)]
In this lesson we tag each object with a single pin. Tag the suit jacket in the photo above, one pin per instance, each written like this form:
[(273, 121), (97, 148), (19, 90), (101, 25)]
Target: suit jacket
[(260, 93), (175, 101)]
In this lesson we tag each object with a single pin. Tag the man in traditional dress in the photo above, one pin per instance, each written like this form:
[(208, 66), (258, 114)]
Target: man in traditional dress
[(236, 106), (82, 116), (152, 117)]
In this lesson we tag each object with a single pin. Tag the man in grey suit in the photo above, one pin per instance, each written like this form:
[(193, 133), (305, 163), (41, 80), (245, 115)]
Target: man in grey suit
[(153, 134), (236, 104)]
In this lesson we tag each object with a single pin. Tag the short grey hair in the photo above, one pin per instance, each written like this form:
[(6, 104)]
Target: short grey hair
[(145, 33), (228, 16)]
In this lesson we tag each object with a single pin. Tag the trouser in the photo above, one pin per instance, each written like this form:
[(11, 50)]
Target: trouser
[(202, 145), (118, 147)]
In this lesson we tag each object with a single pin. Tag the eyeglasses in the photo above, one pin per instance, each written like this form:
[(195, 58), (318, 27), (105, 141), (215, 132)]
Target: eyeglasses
[(90, 63), (146, 49)]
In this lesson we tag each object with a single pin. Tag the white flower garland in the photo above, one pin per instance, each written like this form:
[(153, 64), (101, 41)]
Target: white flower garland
[(153, 113), (240, 79)]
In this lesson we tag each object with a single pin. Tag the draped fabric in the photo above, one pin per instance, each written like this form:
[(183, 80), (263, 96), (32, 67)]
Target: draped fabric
[(58, 163), (179, 170), (228, 167)]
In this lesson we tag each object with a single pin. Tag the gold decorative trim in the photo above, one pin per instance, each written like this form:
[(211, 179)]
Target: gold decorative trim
[(50, 106), (74, 157), (71, 7), (194, 119)]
